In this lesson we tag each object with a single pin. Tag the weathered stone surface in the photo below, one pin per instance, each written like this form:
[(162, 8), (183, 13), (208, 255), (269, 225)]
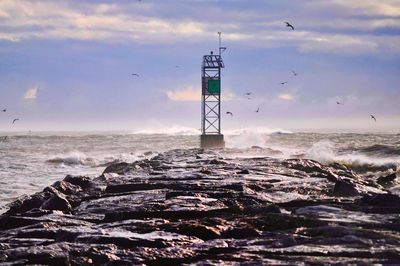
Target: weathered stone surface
[(193, 207), (384, 180), (345, 188), (81, 181)]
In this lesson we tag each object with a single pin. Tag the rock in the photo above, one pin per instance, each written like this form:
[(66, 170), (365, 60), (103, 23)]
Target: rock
[(345, 188), (383, 200), (66, 187), (28, 203), (174, 209), (57, 201), (81, 181), (241, 233), (216, 162), (243, 172), (117, 168), (203, 232), (384, 180)]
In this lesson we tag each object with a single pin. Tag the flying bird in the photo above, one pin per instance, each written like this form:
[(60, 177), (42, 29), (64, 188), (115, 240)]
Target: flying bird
[(229, 113), (15, 120), (338, 102), (289, 25), (4, 110), (134, 74), (294, 73), (283, 83), (248, 93), (373, 117), (258, 109)]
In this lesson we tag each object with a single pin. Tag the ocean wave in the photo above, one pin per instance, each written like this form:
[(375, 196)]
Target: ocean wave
[(77, 158), (256, 130), (73, 158), (326, 152), (251, 137), (189, 131), (174, 130), (381, 150)]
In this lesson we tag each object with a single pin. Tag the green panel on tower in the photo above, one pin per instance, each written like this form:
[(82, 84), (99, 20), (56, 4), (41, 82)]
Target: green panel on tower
[(214, 86)]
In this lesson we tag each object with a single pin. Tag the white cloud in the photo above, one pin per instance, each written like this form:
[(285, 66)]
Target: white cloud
[(31, 94), (147, 23), (286, 96), (188, 94)]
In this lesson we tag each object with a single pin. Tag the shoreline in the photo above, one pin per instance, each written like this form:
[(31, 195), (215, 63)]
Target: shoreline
[(193, 206)]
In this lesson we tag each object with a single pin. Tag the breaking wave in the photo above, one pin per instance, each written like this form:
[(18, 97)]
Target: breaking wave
[(325, 152), (174, 130), (381, 150), (73, 158), (81, 159)]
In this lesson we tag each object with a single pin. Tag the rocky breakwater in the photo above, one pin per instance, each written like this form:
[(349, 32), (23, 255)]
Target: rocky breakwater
[(195, 207)]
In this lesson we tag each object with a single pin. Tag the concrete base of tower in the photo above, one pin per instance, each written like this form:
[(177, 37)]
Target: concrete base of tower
[(212, 141)]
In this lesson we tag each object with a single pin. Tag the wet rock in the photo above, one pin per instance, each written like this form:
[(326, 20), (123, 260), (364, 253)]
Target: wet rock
[(241, 233), (118, 168), (345, 188), (66, 187), (216, 162), (243, 172), (384, 180), (383, 200), (57, 202), (81, 181), (201, 231), (174, 209), (28, 203)]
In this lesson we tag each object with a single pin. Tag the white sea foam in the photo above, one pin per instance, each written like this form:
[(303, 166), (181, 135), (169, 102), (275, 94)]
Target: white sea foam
[(72, 158), (173, 130), (253, 136), (325, 152)]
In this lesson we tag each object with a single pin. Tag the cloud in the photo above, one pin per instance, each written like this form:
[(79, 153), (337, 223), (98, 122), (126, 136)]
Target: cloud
[(286, 96), (317, 30), (188, 94), (31, 94)]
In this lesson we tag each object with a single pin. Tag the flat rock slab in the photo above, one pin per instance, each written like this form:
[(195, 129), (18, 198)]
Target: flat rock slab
[(197, 207)]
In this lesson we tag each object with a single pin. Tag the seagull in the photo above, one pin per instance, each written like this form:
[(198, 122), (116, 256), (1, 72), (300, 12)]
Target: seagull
[(289, 25), (15, 120), (283, 83), (294, 73), (134, 74), (229, 113), (373, 117), (4, 110), (258, 109)]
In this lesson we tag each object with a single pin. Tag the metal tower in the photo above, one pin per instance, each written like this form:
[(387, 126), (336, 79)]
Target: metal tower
[(211, 136)]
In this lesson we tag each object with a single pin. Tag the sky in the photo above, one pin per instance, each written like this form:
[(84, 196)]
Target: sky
[(67, 65)]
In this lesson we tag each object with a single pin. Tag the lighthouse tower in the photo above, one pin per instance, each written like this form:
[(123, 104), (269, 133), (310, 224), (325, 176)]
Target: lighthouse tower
[(211, 136)]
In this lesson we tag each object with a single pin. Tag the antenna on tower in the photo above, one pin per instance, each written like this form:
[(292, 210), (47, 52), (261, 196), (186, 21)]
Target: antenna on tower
[(220, 48)]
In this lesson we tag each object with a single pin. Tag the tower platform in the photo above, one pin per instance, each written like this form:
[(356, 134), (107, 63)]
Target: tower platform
[(212, 141)]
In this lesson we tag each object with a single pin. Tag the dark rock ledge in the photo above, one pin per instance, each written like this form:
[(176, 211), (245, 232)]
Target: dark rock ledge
[(194, 207)]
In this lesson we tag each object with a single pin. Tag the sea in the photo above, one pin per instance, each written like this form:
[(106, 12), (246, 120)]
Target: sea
[(30, 161)]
